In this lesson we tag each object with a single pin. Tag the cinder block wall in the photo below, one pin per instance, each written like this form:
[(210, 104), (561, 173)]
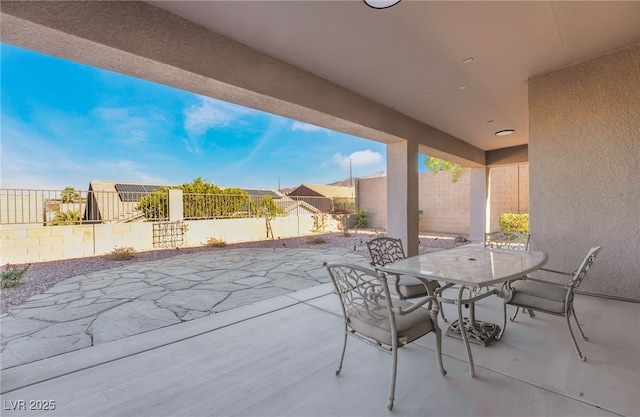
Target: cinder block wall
[(21, 244), (509, 192), (446, 204)]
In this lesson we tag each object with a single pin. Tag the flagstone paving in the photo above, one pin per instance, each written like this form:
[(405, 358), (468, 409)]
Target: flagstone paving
[(107, 305)]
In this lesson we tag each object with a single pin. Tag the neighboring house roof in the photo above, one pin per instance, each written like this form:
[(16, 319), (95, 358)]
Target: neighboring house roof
[(293, 207), (329, 191)]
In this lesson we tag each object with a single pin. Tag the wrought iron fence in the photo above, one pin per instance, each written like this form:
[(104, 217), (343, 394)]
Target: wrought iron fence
[(56, 207), (64, 207)]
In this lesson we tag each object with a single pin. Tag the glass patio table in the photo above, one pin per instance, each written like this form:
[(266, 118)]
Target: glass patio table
[(471, 267)]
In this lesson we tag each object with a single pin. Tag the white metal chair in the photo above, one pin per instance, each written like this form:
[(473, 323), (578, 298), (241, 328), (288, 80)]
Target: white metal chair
[(507, 240), (371, 315), (549, 297), (384, 250)]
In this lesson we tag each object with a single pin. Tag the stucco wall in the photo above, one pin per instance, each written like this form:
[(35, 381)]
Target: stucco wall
[(584, 164)]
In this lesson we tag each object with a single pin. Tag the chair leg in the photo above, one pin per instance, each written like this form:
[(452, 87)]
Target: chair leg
[(442, 312), (344, 348), (578, 323), (515, 313), (504, 321), (573, 338), (439, 350), (394, 369)]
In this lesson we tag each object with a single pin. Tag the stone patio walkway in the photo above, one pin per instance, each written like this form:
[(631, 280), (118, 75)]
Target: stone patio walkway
[(107, 305)]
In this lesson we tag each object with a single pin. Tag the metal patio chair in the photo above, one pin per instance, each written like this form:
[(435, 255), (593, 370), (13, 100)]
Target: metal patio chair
[(507, 240), (549, 297), (371, 315), (384, 250)]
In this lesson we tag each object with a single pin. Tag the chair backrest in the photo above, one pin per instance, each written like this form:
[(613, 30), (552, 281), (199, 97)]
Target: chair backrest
[(507, 240), (582, 270), (384, 250), (362, 291)]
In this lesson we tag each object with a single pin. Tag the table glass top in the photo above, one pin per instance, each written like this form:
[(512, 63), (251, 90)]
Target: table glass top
[(472, 266)]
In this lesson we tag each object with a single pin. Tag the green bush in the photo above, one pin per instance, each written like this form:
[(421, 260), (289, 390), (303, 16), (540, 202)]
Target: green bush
[(514, 222), (362, 220), (12, 275), (66, 218)]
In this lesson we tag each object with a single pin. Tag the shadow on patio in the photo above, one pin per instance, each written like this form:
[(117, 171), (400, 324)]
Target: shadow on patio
[(278, 357)]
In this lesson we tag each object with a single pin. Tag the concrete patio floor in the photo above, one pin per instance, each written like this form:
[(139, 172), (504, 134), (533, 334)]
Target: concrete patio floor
[(278, 357)]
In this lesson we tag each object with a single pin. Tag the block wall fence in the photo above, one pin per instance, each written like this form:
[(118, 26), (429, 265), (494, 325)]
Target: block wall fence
[(21, 244), (445, 204)]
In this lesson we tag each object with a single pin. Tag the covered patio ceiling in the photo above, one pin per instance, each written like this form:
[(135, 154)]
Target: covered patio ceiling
[(459, 66)]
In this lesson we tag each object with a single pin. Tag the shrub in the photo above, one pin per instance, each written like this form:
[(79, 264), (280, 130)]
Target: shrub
[(316, 240), (12, 275), (66, 218), (514, 222), (319, 223), (361, 221), (120, 254), (216, 243)]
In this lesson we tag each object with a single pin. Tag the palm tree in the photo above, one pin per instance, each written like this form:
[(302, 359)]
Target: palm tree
[(69, 194)]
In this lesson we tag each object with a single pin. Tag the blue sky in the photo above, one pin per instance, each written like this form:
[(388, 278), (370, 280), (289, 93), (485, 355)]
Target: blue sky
[(64, 124)]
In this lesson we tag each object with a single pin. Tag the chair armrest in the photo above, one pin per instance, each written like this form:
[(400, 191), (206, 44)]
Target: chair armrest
[(555, 284), (556, 272), (426, 300), (438, 291)]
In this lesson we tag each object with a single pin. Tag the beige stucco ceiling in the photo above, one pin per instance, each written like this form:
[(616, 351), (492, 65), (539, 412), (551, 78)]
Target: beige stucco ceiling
[(410, 57)]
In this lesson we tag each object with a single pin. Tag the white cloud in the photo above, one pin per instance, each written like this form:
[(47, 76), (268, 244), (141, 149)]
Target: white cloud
[(129, 125), (358, 158), (305, 127), (206, 115)]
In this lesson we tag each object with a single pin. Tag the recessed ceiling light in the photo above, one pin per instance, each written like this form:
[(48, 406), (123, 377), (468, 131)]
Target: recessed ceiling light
[(381, 4), (468, 60), (504, 132), (462, 87)]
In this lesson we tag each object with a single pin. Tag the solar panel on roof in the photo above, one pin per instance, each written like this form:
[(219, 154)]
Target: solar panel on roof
[(260, 193), (130, 193)]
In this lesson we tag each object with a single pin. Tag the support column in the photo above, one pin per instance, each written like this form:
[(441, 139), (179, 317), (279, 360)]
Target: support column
[(176, 206), (402, 194), (480, 209)]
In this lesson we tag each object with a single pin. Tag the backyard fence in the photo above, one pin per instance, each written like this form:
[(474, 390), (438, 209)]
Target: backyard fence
[(69, 207)]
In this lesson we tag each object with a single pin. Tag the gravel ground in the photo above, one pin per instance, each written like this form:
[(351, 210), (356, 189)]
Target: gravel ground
[(44, 275)]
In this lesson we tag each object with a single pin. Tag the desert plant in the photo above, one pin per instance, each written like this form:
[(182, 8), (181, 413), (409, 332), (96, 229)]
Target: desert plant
[(362, 220), (66, 218), (514, 222), (216, 243), (316, 240), (120, 254), (266, 205), (69, 195), (436, 165), (12, 275), (319, 223)]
